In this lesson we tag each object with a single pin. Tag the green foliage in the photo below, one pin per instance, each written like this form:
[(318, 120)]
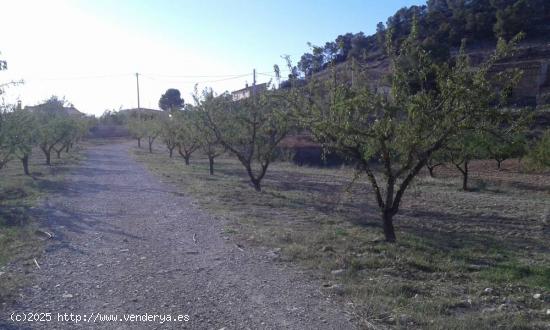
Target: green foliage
[(501, 148), (6, 147), (169, 130), (113, 117), (465, 147), (187, 140), (152, 131), (21, 131), (536, 276), (515, 16), (171, 100), (208, 140), (429, 107), (539, 155), (442, 25), (251, 129), (56, 130), (137, 128)]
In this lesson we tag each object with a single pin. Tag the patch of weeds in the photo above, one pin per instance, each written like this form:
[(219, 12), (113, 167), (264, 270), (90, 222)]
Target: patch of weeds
[(340, 232), (514, 272), (422, 265), (297, 252), (18, 193), (355, 265), (230, 231)]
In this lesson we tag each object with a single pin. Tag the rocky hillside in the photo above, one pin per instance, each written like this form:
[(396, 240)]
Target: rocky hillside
[(442, 26)]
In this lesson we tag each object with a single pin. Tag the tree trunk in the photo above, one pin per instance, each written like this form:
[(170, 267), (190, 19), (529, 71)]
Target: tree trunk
[(255, 179), (171, 150), (211, 164), (389, 231), (498, 163), (465, 177), (431, 170), (139, 142), (186, 157), (58, 152), (48, 155), (256, 184), (67, 147), (25, 162), (150, 147)]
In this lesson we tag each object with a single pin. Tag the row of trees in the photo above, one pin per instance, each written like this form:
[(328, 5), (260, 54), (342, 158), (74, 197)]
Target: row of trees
[(432, 112), (250, 129), (46, 127), (480, 145)]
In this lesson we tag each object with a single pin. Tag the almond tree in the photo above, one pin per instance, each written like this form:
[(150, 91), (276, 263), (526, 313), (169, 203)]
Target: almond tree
[(392, 134), (51, 133), (6, 147), (251, 129), (152, 131), (6, 143), (21, 133), (71, 132), (539, 154), (209, 143), (187, 141), (137, 129), (501, 148), (462, 150), (169, 132), (434, 161)]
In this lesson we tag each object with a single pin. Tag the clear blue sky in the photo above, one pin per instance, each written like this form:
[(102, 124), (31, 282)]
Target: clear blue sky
[(168, 37)]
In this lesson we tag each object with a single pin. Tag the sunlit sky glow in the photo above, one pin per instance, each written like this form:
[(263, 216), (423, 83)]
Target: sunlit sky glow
[(89, 51)]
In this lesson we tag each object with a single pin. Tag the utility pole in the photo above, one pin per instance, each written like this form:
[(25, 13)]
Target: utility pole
[(137, 84)]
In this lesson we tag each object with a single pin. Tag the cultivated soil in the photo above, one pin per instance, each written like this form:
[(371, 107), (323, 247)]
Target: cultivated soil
[(126, 243)]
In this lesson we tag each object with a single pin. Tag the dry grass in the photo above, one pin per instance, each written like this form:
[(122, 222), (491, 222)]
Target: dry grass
[(452, 245), (19, 241)]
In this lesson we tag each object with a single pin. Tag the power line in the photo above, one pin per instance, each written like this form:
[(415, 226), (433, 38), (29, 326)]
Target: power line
[(195, 76), (80, 77), (195, 81), (154, 76)]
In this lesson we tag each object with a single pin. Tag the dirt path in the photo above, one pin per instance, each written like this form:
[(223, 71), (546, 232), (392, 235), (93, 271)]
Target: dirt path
[(124, 245)]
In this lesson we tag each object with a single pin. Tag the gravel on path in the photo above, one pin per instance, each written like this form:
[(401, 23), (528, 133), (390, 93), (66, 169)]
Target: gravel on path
[(127, 244)]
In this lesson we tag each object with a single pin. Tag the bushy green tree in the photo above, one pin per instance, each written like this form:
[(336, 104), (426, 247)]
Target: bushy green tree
[(169, 129), (137, 129), (21, 132), (71, 131), (392, 135), (171, 100), (539, 155), (251, 129), (463, 149), (152, 131), (435, 160), (187, 139), (209, 143), (56, 130), (6, 147), (504, 146)]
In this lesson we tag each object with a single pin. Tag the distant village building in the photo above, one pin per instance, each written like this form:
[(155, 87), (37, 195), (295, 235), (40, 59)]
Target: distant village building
[(246, 92), (69, 110), (141, 112)]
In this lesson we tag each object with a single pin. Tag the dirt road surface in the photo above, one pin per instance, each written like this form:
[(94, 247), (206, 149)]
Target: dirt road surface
[(126, 243)]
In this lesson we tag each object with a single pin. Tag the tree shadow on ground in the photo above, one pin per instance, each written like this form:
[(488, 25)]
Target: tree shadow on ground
[(446, 231)]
